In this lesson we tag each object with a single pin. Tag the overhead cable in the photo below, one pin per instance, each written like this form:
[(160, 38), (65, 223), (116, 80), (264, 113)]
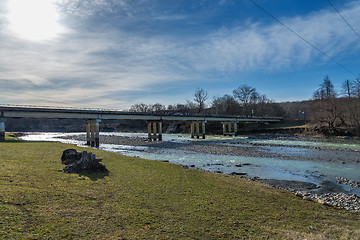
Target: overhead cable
[(343, 18), (313, 46)]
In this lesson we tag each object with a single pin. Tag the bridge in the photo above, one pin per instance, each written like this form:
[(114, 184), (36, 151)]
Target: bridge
[(93, 117)]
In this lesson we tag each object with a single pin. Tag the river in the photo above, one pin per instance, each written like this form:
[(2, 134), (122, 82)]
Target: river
[(292, 159)]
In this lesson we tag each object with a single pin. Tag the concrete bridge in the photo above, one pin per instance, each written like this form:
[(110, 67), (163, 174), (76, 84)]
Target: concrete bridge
[(93, 117)]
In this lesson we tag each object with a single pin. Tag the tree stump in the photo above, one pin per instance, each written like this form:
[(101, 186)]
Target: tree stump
[(81, 162), (70, 156)]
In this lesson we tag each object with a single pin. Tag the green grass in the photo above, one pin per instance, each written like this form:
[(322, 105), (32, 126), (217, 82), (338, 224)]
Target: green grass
[(12, 137), (142, 199)]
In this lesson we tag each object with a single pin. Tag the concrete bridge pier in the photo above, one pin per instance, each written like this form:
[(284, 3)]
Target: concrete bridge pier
[(2, 128), (229, 128), (93, 132), (154, 130), (195, 129), (97, 132), (88, 134)]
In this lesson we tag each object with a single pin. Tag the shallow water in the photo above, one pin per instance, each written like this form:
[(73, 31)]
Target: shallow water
[(271, 168), (344, 145)]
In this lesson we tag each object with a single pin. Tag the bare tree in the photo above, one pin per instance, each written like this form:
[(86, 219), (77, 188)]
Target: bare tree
[(319, 94), (328, 87), (326, 90), (356, 88), (157, 107), (200, 97), (248, 98), (225, 105), (140, 107), (347, 88), (329, 112), (327, 109), (244, 94), (255, 98)]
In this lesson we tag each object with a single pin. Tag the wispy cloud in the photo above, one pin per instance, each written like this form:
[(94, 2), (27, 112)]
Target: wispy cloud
[(272, 47), (94, 66)]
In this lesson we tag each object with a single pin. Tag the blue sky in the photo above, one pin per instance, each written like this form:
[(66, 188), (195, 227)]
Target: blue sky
[(116, 53)]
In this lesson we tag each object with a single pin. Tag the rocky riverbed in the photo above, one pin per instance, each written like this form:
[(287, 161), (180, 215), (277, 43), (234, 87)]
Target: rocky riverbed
[(244, 148), (328, 193)]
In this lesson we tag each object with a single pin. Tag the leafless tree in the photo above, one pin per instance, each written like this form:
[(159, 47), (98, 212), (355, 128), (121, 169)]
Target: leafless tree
[(140, 107), (249, 98), (200, 97), (226, 105), (157, 107), (356, 88), (328, 88), (245, 93), (347, 88)]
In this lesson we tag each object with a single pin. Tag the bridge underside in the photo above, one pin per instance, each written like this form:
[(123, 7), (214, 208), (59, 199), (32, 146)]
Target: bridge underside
[(155, 132), (154, 121)]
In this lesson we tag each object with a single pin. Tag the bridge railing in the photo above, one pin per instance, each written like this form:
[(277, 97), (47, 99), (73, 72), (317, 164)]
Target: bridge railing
[(51, 109)]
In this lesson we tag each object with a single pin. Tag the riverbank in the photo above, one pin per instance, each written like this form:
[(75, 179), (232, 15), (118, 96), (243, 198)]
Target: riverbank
[(149, 199), (244, 147), (326, 192)]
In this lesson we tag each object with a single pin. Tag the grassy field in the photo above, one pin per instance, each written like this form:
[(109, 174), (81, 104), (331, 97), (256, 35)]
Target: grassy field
[(142, 199)]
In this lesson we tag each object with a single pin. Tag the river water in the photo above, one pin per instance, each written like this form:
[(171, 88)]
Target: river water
[(269, 168)]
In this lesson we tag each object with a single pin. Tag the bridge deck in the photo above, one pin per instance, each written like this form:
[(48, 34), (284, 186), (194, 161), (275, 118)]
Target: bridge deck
[(68, 113), (93, 118)]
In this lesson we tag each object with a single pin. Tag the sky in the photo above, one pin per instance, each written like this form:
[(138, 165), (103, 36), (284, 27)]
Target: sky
[(116, 53)]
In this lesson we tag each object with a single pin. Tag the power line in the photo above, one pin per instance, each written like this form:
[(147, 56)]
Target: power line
[(343, 18), (313, 46), (349, 13)]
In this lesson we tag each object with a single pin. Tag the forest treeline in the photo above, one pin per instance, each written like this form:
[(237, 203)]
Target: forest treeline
[(329, 111)]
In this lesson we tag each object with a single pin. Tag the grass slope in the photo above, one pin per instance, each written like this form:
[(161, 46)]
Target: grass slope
[(149, 200)]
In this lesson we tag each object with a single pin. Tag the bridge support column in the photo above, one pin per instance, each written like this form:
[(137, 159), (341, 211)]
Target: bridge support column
[(2, 128), (192, 125), (97, 132), (92, 133), (229, 128), (88, 129), (154, 130), (203, 129), (195, 129)]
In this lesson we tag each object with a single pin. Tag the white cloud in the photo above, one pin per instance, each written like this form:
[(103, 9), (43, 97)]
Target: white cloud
[(91, 67), (87, 8), (273, 47)]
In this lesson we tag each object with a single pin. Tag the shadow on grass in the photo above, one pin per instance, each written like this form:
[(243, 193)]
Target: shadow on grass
[(22, 141), (13, 141), (94, 176)]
